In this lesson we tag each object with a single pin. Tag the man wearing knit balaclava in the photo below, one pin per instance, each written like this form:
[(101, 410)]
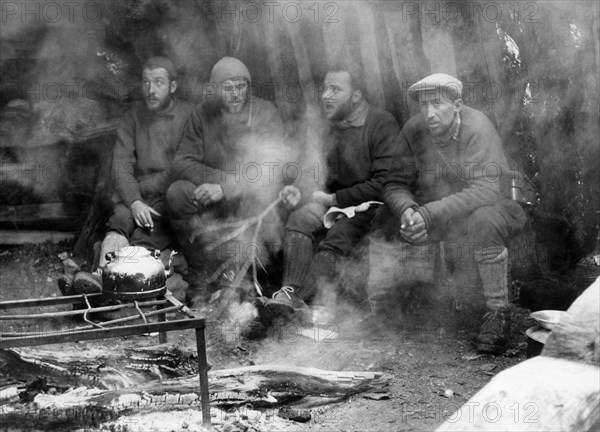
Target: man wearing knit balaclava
[(221, 172)]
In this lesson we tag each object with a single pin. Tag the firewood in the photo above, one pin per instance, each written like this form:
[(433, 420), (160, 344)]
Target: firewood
[(262, 386)]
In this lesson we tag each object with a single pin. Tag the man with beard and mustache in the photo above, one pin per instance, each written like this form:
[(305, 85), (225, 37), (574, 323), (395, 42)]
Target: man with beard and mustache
[(358, 151), (147, 140), (450, 181), (221, 175)]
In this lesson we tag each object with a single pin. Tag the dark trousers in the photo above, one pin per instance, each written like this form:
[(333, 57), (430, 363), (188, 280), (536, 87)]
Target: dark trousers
[(159, 238), (480, 234), (200, 232), (310, 266), (340, 238)]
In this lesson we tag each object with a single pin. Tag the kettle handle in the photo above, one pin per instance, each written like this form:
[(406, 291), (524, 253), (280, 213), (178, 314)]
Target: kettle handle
[(169, 270), (110, 256), (154, 253)]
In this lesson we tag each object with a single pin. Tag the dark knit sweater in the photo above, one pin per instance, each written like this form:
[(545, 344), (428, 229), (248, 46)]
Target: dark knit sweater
[(451, 180), (358, 158), (145, 147), (230, 149)]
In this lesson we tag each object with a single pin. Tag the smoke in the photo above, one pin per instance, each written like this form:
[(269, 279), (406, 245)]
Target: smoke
[(67, 75)]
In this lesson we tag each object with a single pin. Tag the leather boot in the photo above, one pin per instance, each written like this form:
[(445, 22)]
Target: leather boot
[(495, 331)]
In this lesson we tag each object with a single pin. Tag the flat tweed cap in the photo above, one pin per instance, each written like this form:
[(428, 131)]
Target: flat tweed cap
[(447, 85)]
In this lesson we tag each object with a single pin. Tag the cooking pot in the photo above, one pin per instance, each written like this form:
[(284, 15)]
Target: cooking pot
[(134, 273)]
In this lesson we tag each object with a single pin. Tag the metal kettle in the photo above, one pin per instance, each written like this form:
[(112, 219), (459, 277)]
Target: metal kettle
[(134, 273)]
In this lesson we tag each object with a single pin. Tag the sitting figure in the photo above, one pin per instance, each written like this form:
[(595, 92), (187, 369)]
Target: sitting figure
[(358, 152), (147, 140), (228, 168), (450, 181)]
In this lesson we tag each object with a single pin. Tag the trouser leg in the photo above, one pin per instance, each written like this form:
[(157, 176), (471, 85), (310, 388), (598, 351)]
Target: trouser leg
[(339, 242), (489, 228), (182, 212), (297, 256), (191, 222), (302, 230)]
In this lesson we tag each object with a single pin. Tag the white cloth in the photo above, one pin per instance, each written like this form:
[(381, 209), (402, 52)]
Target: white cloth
[(335, 213)]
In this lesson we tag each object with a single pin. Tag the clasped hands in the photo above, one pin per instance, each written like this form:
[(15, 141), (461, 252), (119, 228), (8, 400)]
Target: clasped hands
[(412, 226), (208, 193)]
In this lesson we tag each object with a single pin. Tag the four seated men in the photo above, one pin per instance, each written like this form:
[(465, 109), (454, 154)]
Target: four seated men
[(178, 167)]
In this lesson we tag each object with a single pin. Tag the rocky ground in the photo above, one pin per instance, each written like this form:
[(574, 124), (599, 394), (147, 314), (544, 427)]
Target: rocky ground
[(427, 354)]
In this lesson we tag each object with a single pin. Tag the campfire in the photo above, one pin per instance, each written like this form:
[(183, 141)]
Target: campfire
[(66, 388)]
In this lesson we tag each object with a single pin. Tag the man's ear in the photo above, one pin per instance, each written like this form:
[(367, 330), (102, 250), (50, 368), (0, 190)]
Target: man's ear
[(173, 86), (357, 96), (458, 104)]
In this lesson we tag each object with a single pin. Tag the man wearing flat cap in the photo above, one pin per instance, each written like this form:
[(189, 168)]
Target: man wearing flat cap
[(226, 170), (147, 140), (450, 181)]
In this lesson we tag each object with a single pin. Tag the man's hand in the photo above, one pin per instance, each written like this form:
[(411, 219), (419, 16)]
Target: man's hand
[(328, 200), (412, 226), (142, 214), (291, 195), (208, 193)]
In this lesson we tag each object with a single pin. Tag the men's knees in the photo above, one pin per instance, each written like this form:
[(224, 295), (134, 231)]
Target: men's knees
[(304, 220), (486, 224), (296, 218), (178, 194)]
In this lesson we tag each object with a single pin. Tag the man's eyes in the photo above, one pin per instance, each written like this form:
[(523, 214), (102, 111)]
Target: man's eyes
[(230, 88)]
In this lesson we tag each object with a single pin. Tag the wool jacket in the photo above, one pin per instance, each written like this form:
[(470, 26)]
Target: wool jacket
[(232, 150), (448, 180), (359, 158), (145, 147)]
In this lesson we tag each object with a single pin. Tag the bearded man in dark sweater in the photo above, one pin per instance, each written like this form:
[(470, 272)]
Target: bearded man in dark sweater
[(358, 151), (228, 168), (450, 181)]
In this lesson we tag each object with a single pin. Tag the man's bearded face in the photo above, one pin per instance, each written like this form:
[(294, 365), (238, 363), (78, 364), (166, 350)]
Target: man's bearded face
[(157, 88), (234, 94), (337, 97)]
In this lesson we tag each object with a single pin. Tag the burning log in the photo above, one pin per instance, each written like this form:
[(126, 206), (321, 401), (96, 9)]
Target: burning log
[(97, 368), (262, 386)]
